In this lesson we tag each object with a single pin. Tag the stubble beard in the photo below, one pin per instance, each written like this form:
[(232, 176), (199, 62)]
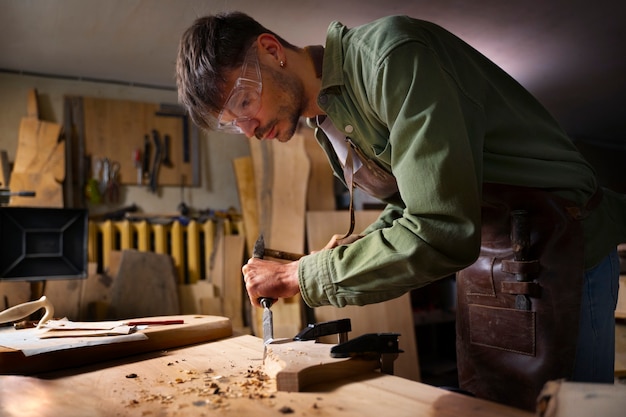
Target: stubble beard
[(291, 105)]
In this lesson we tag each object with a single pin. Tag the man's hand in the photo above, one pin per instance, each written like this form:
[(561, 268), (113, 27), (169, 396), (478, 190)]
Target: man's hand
[(337, 240), (271, 279)]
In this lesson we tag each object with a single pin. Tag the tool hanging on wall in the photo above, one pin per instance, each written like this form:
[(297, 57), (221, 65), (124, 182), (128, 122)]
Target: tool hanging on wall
[(112, 193), (166, 152), (158, 155), (146, 158), (92, 188), (137, 161)]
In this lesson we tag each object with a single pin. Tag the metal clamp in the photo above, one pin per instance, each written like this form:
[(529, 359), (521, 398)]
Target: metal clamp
[(383, 345), (314, 331)]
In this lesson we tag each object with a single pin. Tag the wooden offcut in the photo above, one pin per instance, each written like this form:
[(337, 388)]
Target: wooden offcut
[(39, 160), (562, 398), (298, 365), (145, 285)]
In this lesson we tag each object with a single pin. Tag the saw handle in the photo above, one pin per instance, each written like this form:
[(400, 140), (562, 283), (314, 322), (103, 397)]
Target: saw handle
[(26, 309)]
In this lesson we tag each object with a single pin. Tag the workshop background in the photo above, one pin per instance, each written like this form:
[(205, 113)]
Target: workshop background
[(102, 73)]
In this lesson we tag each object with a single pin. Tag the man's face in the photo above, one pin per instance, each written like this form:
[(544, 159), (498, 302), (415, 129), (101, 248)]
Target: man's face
[(264, 101), (282, 105)]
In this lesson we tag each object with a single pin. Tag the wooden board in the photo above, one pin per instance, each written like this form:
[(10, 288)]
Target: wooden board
[(233, 279), (5, 169), (39, 160), (114, 128), (391, 316), (246, 187), (320, 189), (281, 176), (13, 293), (145, 285), (297, 365), (577, 399), (195, 329), (217, 267), (620, 349), (65, 296)]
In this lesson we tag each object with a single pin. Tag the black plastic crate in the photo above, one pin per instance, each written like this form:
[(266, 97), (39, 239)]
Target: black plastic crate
[(42, 243)]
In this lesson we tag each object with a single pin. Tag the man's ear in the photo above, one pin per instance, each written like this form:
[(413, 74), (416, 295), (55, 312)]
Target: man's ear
[(268, 44)]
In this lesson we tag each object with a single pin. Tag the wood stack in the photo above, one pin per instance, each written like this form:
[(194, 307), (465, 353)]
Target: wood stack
[(39, 160)]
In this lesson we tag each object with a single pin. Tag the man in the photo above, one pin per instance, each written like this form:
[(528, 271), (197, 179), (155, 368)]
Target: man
[(478, 177)]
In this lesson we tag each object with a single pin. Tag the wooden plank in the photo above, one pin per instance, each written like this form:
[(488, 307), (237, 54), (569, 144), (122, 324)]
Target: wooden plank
[(246, 187), (298, 365), (39, 160), (65, 296), (5, 169), (195, 329), (576, 399), (114, 128), (217, 266), (13, 293), (281, 174), (620, 349), (391, 316), (233, 279), (145, 285), (96, 293), (199, 298), (320, 188), (72, 158)]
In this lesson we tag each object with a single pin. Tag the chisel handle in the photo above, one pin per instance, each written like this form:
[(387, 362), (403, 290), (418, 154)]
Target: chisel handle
[(266, 302)]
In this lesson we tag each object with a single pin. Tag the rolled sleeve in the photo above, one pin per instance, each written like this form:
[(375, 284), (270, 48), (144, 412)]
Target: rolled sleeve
[(314, 278)]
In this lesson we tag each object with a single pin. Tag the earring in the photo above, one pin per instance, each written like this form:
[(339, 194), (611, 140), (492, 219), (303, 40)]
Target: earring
[(282, 64)]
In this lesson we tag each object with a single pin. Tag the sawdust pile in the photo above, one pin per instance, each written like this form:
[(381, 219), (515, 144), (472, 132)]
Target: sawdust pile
[(207, 389)]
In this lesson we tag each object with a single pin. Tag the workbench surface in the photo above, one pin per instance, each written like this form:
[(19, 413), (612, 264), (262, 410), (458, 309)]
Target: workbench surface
[(223, 377)]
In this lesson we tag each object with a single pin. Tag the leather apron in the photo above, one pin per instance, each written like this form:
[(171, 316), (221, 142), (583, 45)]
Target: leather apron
[(519, 304)]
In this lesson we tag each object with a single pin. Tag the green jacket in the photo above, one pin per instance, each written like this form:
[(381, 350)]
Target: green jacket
[(442, 119)]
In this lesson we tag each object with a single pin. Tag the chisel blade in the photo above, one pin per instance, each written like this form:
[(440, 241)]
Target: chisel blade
[(268, 322)]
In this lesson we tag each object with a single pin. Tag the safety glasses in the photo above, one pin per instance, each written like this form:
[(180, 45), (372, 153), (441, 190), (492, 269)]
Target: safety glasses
[(244, 101)]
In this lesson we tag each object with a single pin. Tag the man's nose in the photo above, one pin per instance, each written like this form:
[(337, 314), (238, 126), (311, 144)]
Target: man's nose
[(248, 127)]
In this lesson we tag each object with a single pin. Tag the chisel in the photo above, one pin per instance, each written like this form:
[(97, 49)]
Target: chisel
[(268, 320)]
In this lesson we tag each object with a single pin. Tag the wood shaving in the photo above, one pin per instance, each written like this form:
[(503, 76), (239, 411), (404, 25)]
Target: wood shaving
[(204, 389)]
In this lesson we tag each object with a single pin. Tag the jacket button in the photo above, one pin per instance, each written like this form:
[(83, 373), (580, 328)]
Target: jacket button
[(349, 129), (323, 99)]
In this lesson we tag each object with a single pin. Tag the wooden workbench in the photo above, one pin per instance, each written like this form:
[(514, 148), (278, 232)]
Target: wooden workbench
[(220, 377)]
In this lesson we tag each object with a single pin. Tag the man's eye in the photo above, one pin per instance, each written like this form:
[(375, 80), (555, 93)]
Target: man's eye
[(244, 104), (240, 102)]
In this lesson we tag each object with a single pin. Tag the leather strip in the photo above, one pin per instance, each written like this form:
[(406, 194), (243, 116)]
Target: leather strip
[(531, 289), (348, 173), (520, 267)]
